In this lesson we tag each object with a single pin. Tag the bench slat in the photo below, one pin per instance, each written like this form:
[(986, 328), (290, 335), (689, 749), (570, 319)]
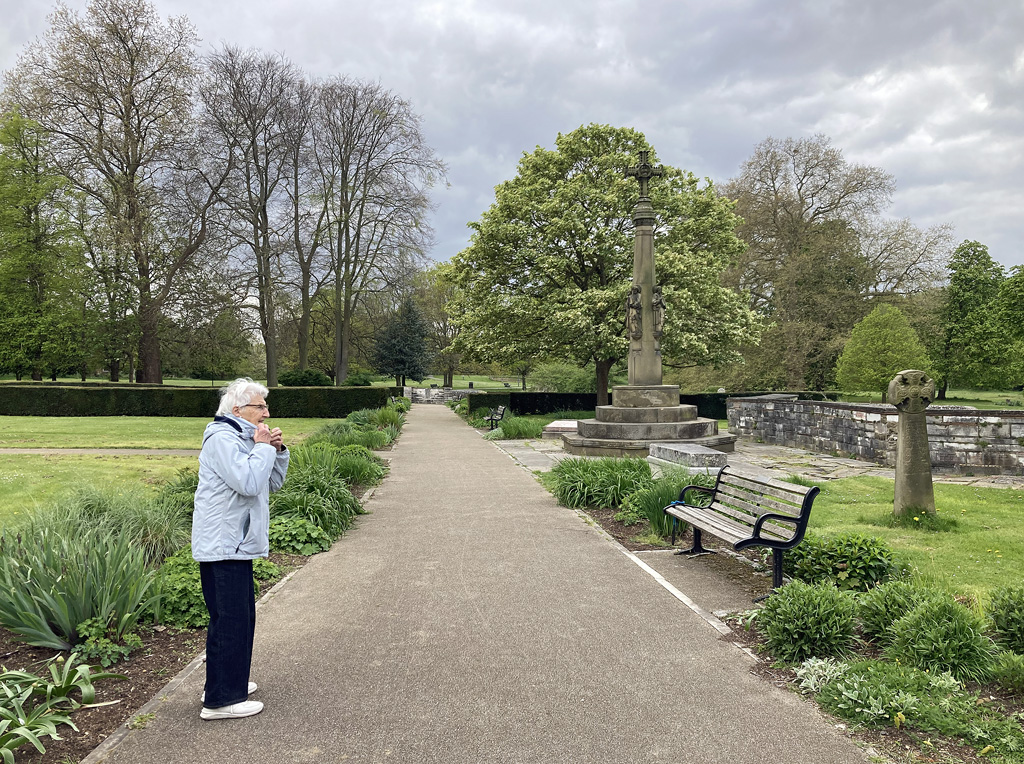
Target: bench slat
[(712, 524), (759, 505), (767, 485), (748, 513), (736, 529)]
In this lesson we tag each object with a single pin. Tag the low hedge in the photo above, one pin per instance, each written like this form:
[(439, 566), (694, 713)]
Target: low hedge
[(131, 400), (711, 405)]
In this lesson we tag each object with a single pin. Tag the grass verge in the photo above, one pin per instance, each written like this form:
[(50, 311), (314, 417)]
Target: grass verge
[(29, 481), (124, 431), (984, 549)]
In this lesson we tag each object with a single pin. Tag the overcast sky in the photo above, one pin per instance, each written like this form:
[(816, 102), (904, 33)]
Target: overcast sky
[(932, 91)]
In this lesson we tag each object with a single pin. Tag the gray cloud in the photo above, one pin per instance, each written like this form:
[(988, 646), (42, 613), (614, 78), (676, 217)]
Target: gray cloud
[(930, 91)]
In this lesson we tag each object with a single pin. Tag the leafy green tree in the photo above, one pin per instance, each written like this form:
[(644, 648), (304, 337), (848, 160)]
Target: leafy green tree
[(550, 262), (974, 344), (42, 270), (880, 346), (819, 255), (1009, 312), (401, 347)]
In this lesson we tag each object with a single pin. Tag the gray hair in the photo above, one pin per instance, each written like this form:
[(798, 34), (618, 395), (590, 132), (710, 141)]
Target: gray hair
[(239, 393)]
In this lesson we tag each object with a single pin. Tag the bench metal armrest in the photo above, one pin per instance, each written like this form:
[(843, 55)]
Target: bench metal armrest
[(681, 501), (795, 521)]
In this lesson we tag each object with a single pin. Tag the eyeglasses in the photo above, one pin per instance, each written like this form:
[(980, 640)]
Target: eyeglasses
[(263, 406)]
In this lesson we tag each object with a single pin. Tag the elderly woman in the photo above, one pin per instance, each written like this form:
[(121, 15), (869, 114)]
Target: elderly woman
[(241, 462)]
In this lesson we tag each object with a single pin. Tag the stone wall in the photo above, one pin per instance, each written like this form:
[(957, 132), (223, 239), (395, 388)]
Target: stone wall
[(963, 440)]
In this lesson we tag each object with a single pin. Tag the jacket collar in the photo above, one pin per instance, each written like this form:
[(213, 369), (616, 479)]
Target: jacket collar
[(244, 428)]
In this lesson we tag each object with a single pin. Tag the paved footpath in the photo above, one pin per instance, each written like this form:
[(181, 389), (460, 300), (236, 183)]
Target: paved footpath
[(471, 619)]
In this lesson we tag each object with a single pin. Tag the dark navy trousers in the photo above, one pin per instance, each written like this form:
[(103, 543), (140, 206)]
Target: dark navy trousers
[(231, 600)]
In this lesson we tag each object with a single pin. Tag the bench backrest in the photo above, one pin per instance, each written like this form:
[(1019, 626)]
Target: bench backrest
[(744, 498)]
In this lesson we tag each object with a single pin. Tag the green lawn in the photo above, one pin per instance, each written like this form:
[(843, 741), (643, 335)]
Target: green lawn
[(28, 481), (124, 431), (984, 551), (981, 399)]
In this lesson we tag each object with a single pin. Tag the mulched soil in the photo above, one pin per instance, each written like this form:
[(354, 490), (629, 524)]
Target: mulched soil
[(164, 653)]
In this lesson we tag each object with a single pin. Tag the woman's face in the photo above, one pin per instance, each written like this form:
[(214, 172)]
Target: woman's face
[(255, 411)]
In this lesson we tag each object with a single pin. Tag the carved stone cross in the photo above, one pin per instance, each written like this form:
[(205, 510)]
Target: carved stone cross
[(911, 392), (644, 172)]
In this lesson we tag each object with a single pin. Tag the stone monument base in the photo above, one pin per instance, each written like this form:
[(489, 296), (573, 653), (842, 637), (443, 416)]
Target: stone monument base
[(642, 415)]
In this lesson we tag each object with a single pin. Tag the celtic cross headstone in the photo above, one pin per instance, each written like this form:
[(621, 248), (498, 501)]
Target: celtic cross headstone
[(911, 392)]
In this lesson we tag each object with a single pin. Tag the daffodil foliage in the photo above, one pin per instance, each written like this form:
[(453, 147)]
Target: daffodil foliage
[(550, 263)]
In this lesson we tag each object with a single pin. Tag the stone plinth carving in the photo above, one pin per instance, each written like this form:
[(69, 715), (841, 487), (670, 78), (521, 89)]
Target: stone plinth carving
[(911, 392)]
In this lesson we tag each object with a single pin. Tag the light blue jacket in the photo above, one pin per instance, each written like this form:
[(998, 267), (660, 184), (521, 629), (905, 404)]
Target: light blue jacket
[(236, 476)]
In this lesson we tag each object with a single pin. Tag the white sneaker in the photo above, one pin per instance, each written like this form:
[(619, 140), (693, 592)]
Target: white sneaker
[(236, 711), (252, 688)]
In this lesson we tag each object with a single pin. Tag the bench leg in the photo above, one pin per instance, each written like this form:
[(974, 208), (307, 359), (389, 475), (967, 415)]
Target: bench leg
[(776, 568), (697, 548)]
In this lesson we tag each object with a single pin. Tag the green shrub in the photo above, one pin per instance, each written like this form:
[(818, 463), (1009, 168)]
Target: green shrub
[(156, 524), (297, 535), (599, 482), (879, 694), (102, 646), (879, 608), (265, 570), (849, 560), (648, 503), (403, 404), (801, 621), (306, 378), (362, 418), (1006, 614), (182, 487), (320, 497), (180, 602), (363, 452), (55, 581), (940, 634), (32, 706), (355, 469), (520, 428), (814, 673), (1008, 671), (387, 417)]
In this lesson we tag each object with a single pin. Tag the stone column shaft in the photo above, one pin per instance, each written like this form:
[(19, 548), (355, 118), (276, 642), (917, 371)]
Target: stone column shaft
[(645, 352)]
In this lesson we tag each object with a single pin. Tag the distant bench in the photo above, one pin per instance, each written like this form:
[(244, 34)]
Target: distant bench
[(746, 510), (494, 416)]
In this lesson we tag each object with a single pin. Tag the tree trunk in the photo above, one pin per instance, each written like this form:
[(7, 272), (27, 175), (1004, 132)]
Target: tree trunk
[(941, 394), (149, 339), (37, 375), (603, 369), (449, 378)]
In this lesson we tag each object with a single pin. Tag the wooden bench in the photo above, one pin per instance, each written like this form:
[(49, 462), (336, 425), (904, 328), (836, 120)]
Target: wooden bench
[(494, 416), (746, 510)]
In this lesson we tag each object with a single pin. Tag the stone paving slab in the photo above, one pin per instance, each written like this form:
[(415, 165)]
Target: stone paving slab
[(544, 454)]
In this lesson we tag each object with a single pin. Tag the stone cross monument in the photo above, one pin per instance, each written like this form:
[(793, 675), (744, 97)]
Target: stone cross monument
[(644, 411), (644, 308), (911, 392)]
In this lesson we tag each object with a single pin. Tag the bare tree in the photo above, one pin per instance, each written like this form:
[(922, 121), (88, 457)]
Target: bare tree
[(308, 262), (113, 89), (248, 97), (374, 169)]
